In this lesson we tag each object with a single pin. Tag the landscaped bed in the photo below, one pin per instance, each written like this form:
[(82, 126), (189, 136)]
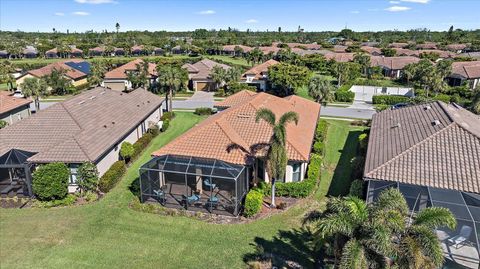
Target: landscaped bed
[(109, 234)]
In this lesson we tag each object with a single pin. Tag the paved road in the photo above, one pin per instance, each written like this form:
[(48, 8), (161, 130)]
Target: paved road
[(346, 112), (199, 99)]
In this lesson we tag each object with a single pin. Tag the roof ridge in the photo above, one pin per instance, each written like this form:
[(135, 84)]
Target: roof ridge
[(81, 148), (427, 139), (71, 116), (299, 153), (241, 141)]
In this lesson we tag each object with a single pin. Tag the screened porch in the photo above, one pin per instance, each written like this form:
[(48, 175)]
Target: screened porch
[(460, 246), (195, 184), (15, 174)]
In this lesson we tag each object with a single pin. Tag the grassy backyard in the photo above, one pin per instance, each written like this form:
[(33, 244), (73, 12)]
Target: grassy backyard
[(108, 234)]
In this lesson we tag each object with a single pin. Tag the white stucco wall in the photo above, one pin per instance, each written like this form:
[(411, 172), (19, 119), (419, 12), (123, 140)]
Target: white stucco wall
[(288, 172)]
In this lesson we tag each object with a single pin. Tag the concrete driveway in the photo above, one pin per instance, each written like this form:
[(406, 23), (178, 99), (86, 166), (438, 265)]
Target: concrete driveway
[(198, 99), (347, 112)]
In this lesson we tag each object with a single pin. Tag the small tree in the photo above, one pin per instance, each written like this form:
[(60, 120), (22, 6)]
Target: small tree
[(287, 77), (50, 181), (320, 89), (3, 124), (87, 177), (126, 151)]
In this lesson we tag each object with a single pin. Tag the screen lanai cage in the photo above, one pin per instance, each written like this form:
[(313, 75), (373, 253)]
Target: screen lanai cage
[(460, 246), (196, 184)]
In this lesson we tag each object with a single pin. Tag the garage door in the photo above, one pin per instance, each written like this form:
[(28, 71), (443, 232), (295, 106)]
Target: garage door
[(202, 86), (118, 86)]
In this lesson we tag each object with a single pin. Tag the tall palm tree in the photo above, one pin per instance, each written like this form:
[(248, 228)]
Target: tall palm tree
[(98, 70), (117, 26), (6, 68), (171, 78), (277, 153), (218, 75), (58, 82), (364, 61), (371, 236), (319, 88), (35, 88), (409, 72)]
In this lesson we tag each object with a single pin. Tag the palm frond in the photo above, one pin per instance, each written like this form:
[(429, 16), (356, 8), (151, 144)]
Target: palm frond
[(339, 223), (428, 243), (290, 116), (353, 256), (434, 217), (267, 115), (392, 199)]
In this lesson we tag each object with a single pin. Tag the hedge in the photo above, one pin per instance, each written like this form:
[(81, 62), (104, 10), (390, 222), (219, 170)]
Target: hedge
[(389, 99), (141, 144), (167, 116), (166, 124), (112, 176), (296, 189), (318, 147), (321, 131), (203, 111), (443, 97), (253, 203), (344, 96), (313, 171), (50, 181)]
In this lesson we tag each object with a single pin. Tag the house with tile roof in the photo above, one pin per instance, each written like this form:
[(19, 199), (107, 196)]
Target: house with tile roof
[(230, 49), (224, 154), (88, 127), (431, 153), (258, 75), (465, 72), (12, 108), (76, 71), (199, 74), (393, 66), (117, 79)]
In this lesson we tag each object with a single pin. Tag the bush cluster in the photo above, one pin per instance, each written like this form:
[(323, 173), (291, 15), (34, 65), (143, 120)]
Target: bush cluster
[(203, 111), (313, 170), (167, 116), (141, 144), (67, 201), (296, 189), (253, 203), (112, 176), (444, 98), (344, 95), (356, 189), (389, 99), (166, 124), (50, 181)]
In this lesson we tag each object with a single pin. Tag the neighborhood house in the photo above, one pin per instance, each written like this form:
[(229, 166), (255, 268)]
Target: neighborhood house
[(117, 79), (199, 74), (12, 108), (258, 75)]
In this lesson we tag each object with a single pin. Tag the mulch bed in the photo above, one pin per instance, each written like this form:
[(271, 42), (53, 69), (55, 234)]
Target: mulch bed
[(15, 202)]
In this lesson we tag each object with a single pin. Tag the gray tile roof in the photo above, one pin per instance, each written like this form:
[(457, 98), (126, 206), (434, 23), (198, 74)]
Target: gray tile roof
[(81, 128), (433, 144)]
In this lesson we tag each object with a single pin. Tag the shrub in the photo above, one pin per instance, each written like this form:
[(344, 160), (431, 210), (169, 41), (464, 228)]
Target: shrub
[(112, 176), (313, 171), (253, 203), (318, 147), (153, 130), (344, 96), (443, 97), (127, 151), (203, 111), (321, 131), (167, 116), (50, 181), (3, 124), (389, 99), (356, 189), (68, 200), (363, 142), (381, 107), (87, 177), (141, 144), (295, 189), (220, 93), (166, 124)]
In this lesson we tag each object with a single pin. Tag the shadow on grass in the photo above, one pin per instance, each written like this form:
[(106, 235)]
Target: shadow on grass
[(342, 176), (295, 245), (135, 187)]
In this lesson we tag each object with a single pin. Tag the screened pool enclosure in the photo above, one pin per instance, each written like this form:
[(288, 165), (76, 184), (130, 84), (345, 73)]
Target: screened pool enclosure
[(196, 184), (460, 246)]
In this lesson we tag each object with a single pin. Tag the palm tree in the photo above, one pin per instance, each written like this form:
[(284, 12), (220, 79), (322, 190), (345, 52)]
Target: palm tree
[(364, 61), (319, 88), (35, 88), (58, 82), (97, 73), (117, 26), (409, 72), (276, 157), (171, 79), (372, 236), (6, 68), (218, 75)]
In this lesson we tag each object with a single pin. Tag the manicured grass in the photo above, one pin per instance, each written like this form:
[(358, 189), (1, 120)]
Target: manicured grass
[(228, 59), (342, 142), (108, 234), (48, 61)]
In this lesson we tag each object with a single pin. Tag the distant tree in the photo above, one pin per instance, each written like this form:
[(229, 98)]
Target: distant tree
[(35, 88), (170, 79), (6, 68), (388, 52), (57, 81), (117, 26), (288, 78), (345, 71), (476, 101), (432, 56), (320, 89), (255, 55), (315, 62), (237, 51)]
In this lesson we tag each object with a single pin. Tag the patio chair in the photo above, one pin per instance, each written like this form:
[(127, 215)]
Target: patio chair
[(161, 196), (212, 202), (190, 200), (462, 237), (207, 185)]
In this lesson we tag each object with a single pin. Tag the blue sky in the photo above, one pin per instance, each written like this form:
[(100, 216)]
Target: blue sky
[(312, 15)]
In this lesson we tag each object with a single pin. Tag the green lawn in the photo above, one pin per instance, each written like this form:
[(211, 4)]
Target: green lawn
[(303, 92), (108, 234)]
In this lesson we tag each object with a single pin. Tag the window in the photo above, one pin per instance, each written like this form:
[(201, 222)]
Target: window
[(260, 169), (296, 172), (73, 173)]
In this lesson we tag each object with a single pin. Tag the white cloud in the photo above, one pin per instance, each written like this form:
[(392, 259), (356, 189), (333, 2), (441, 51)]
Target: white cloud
[(397, 8), (416, 1), (59, 14), (394, 2), (355, 12), (251, 21), (96, 2), (81, 13), (207, 12)]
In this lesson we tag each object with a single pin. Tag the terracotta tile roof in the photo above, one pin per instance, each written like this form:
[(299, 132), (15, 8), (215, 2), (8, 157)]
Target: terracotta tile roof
[(121, 71), (97, 49), (231, 48), (371, 50), (441, 53), (427, 45), (468, 70), (455, 47), (202, 69), (238, 98), (433, 144), (69, 71), (81, 128), (340, 57), (8, 102), (260, 69), (393, 63), (404, 52), (270, 49), (339, 48), (137, 48), (214, 137), (398, 45)]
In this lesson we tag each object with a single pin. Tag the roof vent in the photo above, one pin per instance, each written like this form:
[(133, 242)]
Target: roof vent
[(427, 107), (105, 126), (113, 122), (81, 102), (435, 122), (92, 97), (397, 125), (138, 105), (102, 93)]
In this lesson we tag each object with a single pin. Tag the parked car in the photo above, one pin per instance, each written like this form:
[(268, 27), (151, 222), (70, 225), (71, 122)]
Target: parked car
[(400, 105)]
